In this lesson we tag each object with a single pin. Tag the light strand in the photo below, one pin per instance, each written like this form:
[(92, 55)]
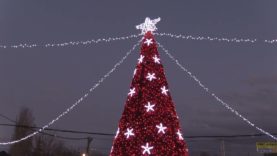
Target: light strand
[(270, 41), (70, 43), (189, 37), (213, 94), (69, 109)]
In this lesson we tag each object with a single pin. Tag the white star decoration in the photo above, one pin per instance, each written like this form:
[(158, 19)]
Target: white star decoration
[(117, 132), (151, 76), (146, 149), (132, 92), (164, 90), (156, 59), (141, 59), (180, 135), (129, 133), (149, 107), (161, 128), (148, 42), (148, 25)]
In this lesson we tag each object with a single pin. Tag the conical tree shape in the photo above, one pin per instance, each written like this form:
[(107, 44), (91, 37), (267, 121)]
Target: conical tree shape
[(149, 124)]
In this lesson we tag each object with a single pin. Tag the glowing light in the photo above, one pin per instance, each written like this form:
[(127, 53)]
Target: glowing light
[(129, 133), (189, 37), (149, 107), (148, 42), (132, 92), (135, 71), (164, 90), (161, 128), (69, 109), (140, 60), (149, 115), (156, 59), (180, 136), (70, 43), (151, 76), (213, 94), (117, 132), (147, 149), (148, 25)]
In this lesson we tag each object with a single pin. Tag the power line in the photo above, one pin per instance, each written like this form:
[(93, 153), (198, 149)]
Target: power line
[(59, 130), (62, 137), (82, 98), (227, 106), (111, 134), (44, 133), (7, 118)]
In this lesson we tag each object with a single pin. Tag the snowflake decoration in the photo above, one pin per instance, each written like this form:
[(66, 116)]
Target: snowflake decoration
[(151, 76), (161, 128), (164, 90), (140, 60), (180, 135), (129, 133), (149, 107), (147, 148), (132, 92), (156, 59), (148, 42)]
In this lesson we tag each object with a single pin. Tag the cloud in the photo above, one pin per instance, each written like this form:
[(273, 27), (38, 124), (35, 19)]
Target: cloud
[(262, 80), (207, 116)]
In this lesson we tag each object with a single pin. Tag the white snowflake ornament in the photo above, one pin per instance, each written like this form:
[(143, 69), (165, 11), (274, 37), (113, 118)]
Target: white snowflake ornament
[(149, 107), (147, 149), (150, 76), (148, 41), (129, 133), (161, 128), (132, 92)]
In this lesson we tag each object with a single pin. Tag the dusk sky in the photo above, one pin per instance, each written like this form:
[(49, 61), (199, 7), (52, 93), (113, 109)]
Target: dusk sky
[(49, 80)]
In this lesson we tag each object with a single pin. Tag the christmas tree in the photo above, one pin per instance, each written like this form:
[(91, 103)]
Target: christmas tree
[(149, 124)]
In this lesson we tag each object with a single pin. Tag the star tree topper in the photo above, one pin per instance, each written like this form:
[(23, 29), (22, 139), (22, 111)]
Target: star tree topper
[(148, 25)]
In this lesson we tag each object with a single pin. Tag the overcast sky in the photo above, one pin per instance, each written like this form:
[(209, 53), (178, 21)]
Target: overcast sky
[(48, 80)]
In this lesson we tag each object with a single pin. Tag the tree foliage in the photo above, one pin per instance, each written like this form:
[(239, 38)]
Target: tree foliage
[(23, 148)]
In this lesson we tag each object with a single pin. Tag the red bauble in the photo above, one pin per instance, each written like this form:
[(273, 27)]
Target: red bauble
[(149, 124)]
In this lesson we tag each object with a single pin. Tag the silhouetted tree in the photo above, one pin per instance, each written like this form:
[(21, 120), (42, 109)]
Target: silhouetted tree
[(204, 154), (23, 148), (45, 145), (3, 153)]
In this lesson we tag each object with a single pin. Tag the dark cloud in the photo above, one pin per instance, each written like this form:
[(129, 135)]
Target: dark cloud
[(262, 81)]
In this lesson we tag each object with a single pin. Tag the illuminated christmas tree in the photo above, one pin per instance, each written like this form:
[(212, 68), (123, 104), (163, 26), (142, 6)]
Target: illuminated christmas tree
[(149, 124)]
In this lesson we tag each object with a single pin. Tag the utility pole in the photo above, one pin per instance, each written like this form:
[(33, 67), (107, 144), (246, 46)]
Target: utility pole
[(88, 144), (222, 148)]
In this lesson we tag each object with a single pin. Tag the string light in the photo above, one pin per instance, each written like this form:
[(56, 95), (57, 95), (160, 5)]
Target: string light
[(142, 130), (110, 39), (189, 37), (270, 41), (69, 109), (213, 94), (71, 43)]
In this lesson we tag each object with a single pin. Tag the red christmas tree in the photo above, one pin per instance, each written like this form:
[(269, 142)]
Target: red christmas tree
[(149, 124)]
